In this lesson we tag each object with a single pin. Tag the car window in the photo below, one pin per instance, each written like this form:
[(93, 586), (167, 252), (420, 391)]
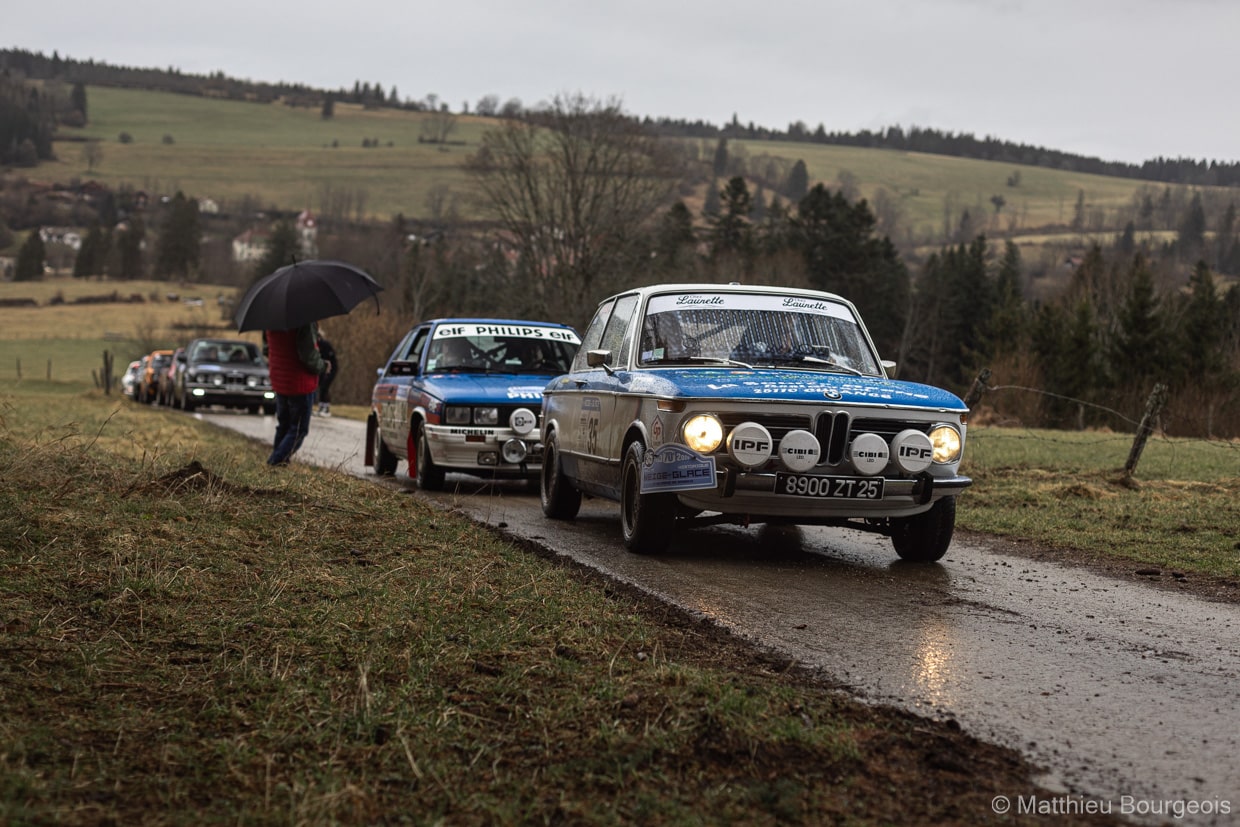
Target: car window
[(594, 334), (617, 327), (753, 329), (417, 344)]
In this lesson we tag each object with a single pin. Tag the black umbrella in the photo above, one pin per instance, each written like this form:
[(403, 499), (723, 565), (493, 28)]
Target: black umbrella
[(304, 292)]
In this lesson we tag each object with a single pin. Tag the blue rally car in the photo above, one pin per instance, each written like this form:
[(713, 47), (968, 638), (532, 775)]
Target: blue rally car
[(695, 404), (465, 395)]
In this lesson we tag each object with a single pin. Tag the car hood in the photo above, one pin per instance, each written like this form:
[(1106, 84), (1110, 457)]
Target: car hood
[(487, 389), (786, 385), (225, 367)]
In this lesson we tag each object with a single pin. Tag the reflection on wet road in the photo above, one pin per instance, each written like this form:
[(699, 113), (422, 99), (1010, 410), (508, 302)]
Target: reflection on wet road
[(1116, 688)]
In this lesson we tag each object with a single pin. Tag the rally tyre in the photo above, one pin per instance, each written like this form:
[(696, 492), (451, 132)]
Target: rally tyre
[(925, 537), (429, 476), (385, 460), (560, 499), (647, 519)]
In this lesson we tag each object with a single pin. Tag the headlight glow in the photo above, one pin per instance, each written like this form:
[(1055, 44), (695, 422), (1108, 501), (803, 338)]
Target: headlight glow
[(486, 416), (703, 433), (946, 442), (456, 415)]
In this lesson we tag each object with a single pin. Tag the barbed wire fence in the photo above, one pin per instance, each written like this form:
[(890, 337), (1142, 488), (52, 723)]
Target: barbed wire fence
[(1143, 427)]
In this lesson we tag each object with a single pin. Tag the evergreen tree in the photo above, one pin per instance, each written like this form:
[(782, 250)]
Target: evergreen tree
[(731, 233), (78, 99), (1138, 347), (841, 254), (674, 235), (179, 239), (712, 203), (31, 258), (1007, 328), (1191, 236), (93, 254), (1203, 328), (720, 164), (796, 186), (130, 236), (282, 248)]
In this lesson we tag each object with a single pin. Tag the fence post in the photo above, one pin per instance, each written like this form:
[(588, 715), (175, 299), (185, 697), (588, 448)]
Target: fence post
[(979, 388), (1153, 407)]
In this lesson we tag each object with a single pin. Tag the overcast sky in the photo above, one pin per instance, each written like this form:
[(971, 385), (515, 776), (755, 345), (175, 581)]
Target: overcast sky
[(1122, 80)]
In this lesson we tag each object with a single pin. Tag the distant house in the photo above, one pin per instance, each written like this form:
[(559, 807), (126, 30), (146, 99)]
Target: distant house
[(308, 233), (250, 245), (61, 235)]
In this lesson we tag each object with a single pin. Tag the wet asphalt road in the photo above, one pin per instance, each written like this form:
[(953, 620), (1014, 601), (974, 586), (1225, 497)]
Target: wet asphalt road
[(1123, 692)]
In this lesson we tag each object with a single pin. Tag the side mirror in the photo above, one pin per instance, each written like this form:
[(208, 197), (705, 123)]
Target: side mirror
[(889, 368), (598, 358)]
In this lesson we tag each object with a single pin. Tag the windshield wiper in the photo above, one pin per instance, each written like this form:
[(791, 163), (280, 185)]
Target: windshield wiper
[(799, 358)]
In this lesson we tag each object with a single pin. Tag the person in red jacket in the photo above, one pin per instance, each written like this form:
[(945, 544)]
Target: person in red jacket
[(295, 363)]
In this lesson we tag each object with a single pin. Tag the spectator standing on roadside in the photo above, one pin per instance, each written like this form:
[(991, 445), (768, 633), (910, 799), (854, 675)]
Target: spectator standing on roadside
[(295, 364), (325, 381)]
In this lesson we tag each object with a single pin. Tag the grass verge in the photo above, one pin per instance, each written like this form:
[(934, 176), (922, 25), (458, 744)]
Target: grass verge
[(189, 636)]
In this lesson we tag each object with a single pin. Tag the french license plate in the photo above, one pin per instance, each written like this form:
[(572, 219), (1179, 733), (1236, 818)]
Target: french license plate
[(831, 488)]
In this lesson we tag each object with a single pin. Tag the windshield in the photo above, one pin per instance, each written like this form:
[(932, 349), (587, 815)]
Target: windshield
[(755, 330), (479, 348)]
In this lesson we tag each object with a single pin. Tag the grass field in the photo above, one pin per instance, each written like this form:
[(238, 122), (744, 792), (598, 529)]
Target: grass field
[(291, 157)]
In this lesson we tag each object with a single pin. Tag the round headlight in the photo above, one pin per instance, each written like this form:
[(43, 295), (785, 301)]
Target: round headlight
[(946, 442), (703, 433)]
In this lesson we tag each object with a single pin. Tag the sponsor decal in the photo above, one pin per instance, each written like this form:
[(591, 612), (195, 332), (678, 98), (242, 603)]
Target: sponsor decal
[(675, 468), (558, 334), (526, 392), (656, 431), (749, 301)]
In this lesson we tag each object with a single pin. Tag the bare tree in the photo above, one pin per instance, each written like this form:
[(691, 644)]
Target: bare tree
[(437, 126), (574, 187)]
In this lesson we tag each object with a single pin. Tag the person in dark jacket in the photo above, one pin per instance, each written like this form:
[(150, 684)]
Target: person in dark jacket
[(325, 381), (294, 363)]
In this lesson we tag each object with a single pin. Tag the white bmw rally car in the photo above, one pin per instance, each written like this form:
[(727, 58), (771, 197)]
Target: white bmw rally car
[(695, 404)]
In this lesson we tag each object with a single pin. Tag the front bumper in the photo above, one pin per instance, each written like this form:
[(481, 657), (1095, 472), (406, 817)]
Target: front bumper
[(753, 493), (229, 397), (482, 450)]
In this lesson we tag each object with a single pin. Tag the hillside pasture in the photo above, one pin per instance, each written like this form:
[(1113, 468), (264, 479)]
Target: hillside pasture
[(292, 158)]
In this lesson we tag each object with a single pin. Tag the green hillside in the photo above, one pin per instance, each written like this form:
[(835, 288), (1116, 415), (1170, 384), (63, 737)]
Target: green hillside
[(293, 159)]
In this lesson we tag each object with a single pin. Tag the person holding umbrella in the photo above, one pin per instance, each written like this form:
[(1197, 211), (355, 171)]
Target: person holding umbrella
[(294, 363), (287, 306)]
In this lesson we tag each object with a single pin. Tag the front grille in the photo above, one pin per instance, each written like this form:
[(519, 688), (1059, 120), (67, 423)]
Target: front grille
[(831, 429)]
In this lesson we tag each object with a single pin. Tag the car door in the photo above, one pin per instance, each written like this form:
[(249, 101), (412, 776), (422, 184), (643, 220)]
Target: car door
[(585, 400), (390, 397)]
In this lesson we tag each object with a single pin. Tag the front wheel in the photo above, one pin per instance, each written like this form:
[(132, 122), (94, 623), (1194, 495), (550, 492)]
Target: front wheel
[(560, 499), (647, 519), (924, 538), (429, 476)]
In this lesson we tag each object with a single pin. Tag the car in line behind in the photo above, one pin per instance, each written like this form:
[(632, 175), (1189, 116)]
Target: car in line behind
[(227, 373), (465, 395), (700, 404)]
